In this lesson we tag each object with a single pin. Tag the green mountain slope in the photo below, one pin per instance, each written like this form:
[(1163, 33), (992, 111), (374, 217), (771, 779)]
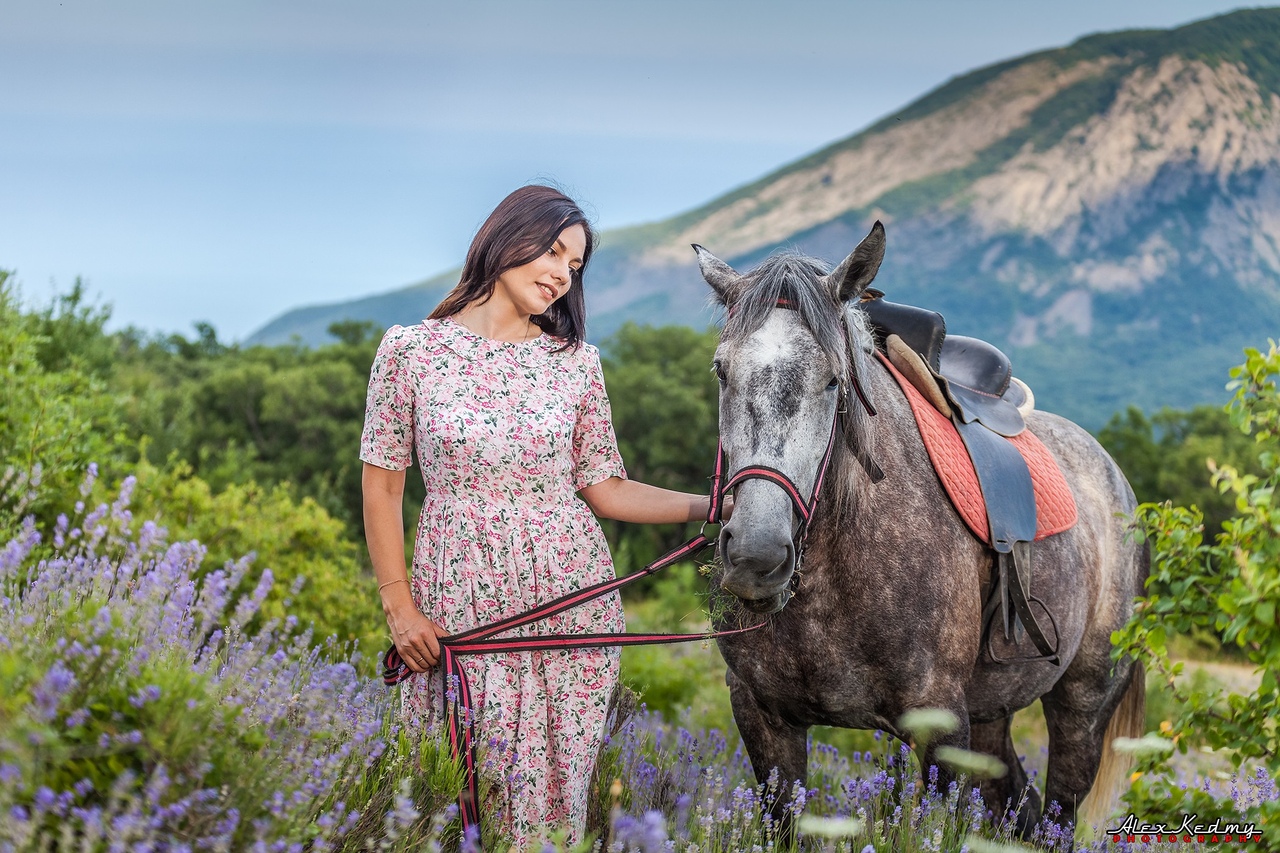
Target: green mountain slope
[(1109, 212)]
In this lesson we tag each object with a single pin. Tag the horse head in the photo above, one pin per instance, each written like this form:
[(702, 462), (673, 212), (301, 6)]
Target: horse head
[(785, 369)]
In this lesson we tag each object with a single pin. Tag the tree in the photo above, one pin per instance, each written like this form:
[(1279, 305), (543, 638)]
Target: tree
[(1167, 457), (664, 399), (56, 414), (1229, 585)]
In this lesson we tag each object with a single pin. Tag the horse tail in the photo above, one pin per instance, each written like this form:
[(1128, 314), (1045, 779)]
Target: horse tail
[(1129, 721)]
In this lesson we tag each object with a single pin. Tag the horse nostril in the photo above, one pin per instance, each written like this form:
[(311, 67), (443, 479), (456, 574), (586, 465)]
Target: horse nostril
[(722, 546)]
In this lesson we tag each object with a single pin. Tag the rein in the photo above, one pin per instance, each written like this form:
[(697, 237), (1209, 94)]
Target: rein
[(483, 640)]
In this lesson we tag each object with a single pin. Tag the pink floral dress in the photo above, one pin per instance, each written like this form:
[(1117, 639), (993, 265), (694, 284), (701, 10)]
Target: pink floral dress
[(506, 433)]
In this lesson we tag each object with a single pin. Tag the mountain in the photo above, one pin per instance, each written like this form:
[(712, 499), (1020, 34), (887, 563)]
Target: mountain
[(1107, 212)]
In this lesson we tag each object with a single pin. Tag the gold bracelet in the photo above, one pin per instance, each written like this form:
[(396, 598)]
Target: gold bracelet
[(381, 587)]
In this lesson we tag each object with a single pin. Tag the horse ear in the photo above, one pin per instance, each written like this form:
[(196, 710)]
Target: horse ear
[(722, 277), (855, 272)]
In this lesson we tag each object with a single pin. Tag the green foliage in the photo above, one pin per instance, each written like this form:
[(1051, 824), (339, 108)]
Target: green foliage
[(1229, 585), (1168, 456), (1247, 37), (664, 400), (678, 681), (319, 574), (76, 398), (144, 704), (186, 727), (266, 414), (56, 415)]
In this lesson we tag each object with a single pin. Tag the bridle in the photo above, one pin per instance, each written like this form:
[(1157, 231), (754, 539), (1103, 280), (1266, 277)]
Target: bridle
[(802, 510)]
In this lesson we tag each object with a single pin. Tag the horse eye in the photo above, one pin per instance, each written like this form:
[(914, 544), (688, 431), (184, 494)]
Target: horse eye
[(834, 383), (720, 374)]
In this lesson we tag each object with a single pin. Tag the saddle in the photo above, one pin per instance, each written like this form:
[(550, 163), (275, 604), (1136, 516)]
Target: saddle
[(971, 383)]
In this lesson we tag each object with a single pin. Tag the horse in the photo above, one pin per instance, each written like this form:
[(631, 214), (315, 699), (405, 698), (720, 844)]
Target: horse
[(884, 615)]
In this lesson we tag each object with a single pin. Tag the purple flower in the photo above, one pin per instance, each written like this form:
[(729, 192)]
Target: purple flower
[(646, 835), (147, 694), (45, 799), (471, 840)]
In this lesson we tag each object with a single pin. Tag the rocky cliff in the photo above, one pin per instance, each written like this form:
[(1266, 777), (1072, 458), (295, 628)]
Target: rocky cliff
[(1109, 212)]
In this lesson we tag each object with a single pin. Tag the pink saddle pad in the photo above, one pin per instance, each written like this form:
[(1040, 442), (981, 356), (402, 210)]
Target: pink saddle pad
[(1055, 505)]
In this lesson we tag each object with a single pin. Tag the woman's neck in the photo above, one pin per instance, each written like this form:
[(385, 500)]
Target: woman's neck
[(497, 322)]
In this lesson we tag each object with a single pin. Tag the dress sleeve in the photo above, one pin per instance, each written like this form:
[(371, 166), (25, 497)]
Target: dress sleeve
[(387, 440), (595, 447)]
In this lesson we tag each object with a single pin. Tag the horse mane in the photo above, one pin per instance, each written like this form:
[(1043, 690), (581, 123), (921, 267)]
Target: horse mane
[(843, 333)]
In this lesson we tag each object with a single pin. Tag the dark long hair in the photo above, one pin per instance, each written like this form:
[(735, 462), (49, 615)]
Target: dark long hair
[(521, 229)]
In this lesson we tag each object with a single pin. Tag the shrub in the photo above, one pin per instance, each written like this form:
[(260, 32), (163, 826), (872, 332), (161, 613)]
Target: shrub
[(55, 417), (1229, 586), (320, 575), (141, 708)]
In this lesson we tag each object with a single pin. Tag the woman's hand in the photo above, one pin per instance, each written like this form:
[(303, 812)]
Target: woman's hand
[(417, 638)]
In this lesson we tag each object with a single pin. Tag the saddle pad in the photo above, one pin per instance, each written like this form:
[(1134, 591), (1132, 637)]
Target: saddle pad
[(1055, 505)]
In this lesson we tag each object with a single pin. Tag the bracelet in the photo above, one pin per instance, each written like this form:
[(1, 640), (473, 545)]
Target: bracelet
[(381, 587)]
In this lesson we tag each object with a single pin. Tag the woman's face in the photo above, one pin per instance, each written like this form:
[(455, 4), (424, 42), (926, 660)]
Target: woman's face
[(532, 288)]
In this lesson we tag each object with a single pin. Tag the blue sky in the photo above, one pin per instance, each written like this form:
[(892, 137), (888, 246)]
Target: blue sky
[(226, 161)]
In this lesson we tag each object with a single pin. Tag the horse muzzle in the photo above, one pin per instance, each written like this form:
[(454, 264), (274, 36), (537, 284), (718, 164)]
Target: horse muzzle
[(757, 570)]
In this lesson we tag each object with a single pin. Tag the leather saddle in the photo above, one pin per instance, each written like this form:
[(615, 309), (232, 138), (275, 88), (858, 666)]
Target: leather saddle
[(971, 382), (975, 377)]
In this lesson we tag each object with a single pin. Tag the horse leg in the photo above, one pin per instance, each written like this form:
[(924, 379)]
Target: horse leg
[(1013, 792), (1082, 721), (958, 739), (772, 745)]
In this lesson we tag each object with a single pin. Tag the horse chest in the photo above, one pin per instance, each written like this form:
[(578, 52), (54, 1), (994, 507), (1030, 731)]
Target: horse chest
[(808, 679)]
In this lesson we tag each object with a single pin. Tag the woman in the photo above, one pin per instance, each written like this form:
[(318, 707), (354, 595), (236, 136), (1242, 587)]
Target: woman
[(505, 404)]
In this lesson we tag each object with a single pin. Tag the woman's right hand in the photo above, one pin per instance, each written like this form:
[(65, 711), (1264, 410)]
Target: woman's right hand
[(417, 638)]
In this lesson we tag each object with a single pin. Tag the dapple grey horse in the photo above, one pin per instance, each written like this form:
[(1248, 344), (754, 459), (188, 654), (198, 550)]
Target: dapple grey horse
[(886, 617)]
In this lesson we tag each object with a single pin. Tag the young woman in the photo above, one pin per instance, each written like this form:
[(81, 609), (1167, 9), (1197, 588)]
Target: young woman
[(505, 404)]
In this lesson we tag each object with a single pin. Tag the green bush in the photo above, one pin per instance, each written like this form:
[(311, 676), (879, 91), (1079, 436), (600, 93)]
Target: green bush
[(1230, 585), (56, 415), (320, 575), (146, 704)]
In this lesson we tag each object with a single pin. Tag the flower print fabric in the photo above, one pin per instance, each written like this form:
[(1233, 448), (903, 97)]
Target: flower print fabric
[(506, 433)]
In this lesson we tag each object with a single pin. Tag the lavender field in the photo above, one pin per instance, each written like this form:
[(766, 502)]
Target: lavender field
[(146, 704)]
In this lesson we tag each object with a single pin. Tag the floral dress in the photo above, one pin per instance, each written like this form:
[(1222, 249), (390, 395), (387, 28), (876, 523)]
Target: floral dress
[(506, 433)]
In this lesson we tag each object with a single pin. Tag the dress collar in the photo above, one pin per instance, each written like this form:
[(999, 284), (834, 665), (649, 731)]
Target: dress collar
[(468, 344)]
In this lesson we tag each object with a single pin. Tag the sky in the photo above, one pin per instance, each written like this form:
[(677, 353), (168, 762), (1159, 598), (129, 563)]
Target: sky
[(224, 161)]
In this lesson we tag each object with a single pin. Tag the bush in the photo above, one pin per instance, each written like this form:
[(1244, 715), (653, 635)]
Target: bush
[(55, 417), (320, 578), (1229, 585), (139, 706)]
